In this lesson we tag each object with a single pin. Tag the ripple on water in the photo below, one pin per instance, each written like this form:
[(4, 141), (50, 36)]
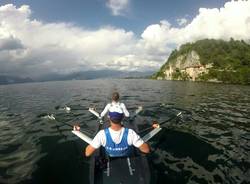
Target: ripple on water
[(210, 144)]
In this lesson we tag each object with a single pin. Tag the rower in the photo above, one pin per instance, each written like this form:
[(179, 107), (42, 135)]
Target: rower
[(116, 139), (115, 105)]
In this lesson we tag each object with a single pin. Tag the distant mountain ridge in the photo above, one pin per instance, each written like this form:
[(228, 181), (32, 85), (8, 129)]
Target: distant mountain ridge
[(84, 75), (209, 60), (96, 74), (4, 79)]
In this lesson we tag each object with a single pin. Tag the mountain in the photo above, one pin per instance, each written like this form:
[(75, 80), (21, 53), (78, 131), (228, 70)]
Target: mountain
[(13, 79), (209, 60), (84, 75), (97, 74)]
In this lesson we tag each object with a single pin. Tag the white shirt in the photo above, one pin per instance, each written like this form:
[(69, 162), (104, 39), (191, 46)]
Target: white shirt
[(115, 107), (100, 138)]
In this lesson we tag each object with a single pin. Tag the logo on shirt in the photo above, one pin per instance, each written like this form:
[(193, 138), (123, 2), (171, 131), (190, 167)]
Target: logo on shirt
[(116, 149)]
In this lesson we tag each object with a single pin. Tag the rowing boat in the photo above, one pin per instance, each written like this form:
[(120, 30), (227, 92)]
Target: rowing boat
[(134, 169), (106, 170)]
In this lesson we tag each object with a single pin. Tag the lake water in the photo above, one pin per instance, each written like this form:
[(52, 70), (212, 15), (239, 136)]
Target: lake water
[(209, 144)]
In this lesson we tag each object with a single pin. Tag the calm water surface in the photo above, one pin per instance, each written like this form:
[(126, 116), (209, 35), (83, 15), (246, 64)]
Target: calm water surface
[(209, 144)]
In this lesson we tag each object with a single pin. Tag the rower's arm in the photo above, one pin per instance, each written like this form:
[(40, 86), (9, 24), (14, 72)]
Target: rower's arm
[(104, 112), (144, 148), (125, 111), (89, 150), (95, 143), (138, 142)]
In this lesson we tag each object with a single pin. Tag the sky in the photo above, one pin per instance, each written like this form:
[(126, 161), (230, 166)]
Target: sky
[(38, 38)]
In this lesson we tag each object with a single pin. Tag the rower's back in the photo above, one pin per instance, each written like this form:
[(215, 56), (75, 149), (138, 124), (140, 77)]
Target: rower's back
[(115, 106)]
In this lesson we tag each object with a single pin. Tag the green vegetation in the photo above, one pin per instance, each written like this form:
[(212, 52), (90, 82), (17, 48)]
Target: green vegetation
[(230, 60), (239, 76), (180, 75)]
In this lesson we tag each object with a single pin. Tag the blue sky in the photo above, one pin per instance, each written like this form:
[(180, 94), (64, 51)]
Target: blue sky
[(44, 37), (94, 13)]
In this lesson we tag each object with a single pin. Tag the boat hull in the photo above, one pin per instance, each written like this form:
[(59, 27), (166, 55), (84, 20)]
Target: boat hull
[(122, 170)]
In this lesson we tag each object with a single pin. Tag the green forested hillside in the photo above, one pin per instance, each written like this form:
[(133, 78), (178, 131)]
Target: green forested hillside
[(230, 59)]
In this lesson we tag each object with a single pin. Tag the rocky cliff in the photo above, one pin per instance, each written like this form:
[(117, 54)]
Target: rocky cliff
[(186, 67), (208, 60)]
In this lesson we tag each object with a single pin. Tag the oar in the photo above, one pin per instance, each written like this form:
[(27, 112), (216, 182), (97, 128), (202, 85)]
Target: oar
[(92, 110), (170, 119), (69, 125), (137, 111), (88, 140), (162, 123), (156, 129), (66, 124), (84, 137), (151, 134)]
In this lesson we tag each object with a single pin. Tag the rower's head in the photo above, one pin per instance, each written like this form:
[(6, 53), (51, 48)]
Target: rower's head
[(116, 117), (115, 96)]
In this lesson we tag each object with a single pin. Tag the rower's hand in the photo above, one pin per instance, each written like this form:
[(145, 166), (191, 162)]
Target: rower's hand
[(92, 108), (155, 124), (100, 120), (76, 128)]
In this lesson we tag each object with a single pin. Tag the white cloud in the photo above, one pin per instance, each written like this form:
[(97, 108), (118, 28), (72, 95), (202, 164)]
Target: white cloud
[(35, 48), (32, 48), (154, 37), (182, 21), (117, 7), (230, 21)]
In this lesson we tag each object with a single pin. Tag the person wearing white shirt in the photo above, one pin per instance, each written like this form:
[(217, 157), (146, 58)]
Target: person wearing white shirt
[(115, 106), (116, 139)]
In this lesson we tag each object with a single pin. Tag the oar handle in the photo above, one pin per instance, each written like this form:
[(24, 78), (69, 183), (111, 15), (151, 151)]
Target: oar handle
[(82, 136)]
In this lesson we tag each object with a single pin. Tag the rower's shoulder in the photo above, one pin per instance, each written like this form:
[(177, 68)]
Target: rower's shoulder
[(108, 104), (100, 132), (122, 104), (131, 131)]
